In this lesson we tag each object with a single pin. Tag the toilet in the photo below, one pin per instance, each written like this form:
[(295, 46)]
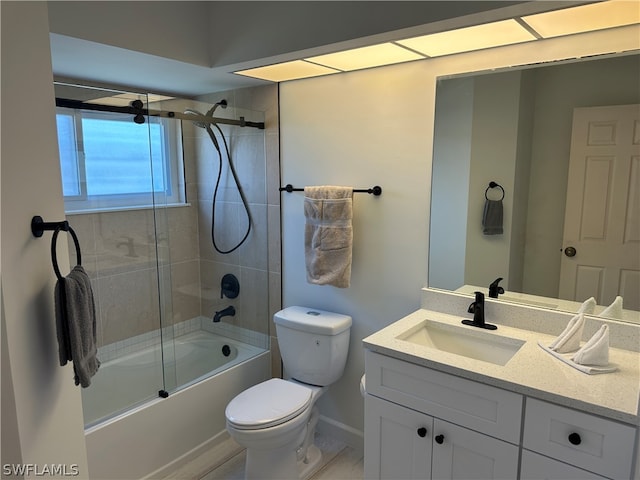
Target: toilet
[(276, 419)]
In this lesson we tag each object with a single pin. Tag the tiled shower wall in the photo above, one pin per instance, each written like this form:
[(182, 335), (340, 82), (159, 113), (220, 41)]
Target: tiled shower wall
[(119, 248)]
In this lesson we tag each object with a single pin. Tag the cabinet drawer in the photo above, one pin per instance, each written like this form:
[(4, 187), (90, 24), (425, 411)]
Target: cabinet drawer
[(464, 402), (535, 467), (586, 441)]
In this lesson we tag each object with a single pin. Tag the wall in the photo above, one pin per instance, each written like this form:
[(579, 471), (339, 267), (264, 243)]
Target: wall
[(46, 422), (376, 127), (360, 129)]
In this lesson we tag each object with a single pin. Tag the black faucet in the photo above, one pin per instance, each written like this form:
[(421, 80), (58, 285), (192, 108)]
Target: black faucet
[(495, 289), (230, 311), (477, 308)]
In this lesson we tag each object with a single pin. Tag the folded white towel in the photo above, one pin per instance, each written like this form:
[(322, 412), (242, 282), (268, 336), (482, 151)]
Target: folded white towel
[(596, 350), (569, 339), (614, 310), (588, 306), (588, 369), (328, 235)]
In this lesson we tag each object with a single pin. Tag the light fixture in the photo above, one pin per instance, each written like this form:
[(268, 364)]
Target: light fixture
[(505, 32), (585, 18), (567, 21), (366, 57), (281, 72)]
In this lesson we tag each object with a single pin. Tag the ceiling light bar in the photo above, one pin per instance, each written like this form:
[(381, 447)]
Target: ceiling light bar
[(477, 37), (366, 57), (585, 18), (281, 72)]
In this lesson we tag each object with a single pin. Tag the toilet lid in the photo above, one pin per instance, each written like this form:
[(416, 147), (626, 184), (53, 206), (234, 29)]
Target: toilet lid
[(268, 404)]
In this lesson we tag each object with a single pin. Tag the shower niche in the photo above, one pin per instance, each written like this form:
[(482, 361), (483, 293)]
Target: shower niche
[(150, 184)]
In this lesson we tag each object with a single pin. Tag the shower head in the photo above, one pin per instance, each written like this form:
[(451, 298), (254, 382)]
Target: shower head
[(222, 103), (195, 112)]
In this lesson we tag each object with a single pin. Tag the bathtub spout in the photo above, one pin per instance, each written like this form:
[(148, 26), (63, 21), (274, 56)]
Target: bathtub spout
[(230, 311)]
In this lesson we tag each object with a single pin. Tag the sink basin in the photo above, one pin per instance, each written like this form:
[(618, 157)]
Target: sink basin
[(465, 341)]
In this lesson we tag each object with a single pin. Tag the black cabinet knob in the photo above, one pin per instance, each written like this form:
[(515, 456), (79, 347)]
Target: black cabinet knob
[(439, 439), (422, 432), (574, 438)]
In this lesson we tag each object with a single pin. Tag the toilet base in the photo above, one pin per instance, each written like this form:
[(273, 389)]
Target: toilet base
[(277, 464), (309, 467)]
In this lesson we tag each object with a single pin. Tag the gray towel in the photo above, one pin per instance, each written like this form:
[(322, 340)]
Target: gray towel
[(492, 217), (328, 235), (76, 325)]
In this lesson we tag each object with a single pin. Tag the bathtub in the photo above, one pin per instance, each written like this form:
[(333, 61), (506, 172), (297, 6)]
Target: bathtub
[(161, 433)]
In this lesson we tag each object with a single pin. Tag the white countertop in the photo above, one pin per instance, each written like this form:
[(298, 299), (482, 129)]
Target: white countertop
[(531, 371)]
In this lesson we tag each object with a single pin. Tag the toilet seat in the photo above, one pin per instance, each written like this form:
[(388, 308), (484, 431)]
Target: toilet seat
[(268, 404)]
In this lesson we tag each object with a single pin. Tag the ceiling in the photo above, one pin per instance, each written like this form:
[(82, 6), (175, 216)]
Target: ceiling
[(183, 48)]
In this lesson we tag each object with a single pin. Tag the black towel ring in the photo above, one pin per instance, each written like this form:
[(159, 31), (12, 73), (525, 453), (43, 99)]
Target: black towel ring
[(494, 185), (54, 257)]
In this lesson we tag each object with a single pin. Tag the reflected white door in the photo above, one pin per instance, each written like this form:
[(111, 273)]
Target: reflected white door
[(601, 244)]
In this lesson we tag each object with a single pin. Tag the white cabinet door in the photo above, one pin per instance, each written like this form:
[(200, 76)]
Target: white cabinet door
[(459, 453), (538, 467), (397, 441)]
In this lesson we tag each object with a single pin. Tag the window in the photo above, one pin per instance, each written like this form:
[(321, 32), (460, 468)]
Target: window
[(110, 162)]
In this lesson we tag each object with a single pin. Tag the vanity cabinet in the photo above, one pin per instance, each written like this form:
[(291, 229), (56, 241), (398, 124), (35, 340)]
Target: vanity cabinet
[(422, 423), (404, 444)]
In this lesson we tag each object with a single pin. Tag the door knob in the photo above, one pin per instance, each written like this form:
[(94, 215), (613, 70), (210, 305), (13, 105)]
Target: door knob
[(570, 252), (439, 439), (422, 432)]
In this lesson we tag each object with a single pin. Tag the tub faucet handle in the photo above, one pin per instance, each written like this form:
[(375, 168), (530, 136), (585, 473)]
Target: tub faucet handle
[(229, 286)]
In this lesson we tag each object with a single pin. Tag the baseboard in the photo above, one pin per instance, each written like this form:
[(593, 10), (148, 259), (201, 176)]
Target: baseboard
[(190, 456), (340, 431)]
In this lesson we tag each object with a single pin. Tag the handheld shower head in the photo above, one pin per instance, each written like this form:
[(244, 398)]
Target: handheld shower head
[(195, 112), (222, 103)]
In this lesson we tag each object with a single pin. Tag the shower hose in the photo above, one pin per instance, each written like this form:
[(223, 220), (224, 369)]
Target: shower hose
[(215, 191)]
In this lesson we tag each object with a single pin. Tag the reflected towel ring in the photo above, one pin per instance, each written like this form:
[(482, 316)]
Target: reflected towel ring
[(54, 257), (494, 185)]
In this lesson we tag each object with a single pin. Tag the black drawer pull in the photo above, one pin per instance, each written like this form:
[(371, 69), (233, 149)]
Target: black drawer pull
[(422, 432), (439, 439), (574, 438)]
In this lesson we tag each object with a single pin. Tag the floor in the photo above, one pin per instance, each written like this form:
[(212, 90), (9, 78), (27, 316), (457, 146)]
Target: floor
[(340, 462)]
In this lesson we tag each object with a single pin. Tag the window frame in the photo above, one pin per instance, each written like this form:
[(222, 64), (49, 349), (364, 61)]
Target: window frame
[(172, 167)]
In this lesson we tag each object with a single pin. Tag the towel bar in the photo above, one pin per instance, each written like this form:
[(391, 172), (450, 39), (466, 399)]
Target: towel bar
[(493, 184), (377, 190), (39, 226)]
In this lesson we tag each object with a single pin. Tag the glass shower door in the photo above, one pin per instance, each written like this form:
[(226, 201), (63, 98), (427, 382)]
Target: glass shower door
[(110, 185)]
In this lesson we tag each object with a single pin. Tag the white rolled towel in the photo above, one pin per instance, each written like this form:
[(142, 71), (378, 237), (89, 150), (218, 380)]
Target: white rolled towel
[(596, 350), (588, 306), (614, 310), (569, 339)]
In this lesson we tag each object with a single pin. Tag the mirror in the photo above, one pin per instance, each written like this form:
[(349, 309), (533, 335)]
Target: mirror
[(514, 128)]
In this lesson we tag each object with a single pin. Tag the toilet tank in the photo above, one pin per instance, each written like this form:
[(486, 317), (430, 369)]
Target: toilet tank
[(313, 343)]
